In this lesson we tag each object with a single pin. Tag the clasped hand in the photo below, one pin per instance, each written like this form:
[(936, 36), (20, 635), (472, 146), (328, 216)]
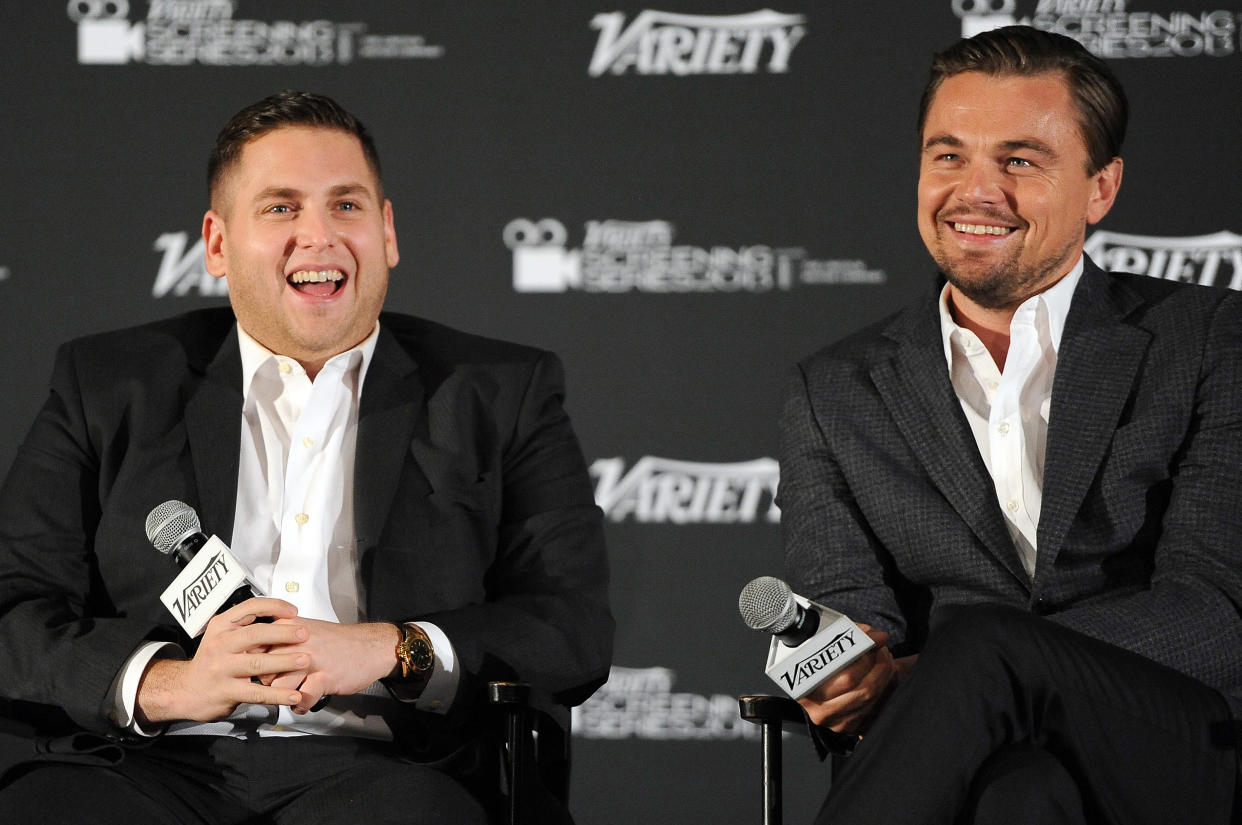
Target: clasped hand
[(849, 700), (289, 661)]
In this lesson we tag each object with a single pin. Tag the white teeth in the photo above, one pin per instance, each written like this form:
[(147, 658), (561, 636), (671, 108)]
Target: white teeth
[(981, 229), (315, 276)]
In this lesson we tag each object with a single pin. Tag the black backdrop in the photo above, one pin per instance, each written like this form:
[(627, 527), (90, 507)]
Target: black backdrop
[(680, 202)]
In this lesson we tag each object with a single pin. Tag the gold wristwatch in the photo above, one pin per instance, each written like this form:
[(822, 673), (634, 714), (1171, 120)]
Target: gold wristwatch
[(415, 653)]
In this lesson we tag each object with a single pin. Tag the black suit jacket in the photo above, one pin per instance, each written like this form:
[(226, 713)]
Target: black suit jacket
[(473, 510), (889, 513)]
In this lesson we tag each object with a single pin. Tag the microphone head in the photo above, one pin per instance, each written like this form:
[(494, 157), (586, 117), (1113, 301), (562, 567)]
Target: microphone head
[(768, 604), (169, 523)]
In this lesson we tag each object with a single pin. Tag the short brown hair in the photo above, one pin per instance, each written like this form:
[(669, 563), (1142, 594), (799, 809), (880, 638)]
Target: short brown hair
[(286, 108), (1023, 50)]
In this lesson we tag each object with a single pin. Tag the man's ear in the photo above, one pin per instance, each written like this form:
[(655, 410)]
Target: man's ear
[(213, 243), (1107, 183)]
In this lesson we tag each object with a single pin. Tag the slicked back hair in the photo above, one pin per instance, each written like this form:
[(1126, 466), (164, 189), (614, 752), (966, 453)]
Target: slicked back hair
[(1025, 51)]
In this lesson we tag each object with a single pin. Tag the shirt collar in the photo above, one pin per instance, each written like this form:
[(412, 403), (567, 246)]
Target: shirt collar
[(1056, 300), (254, 355)]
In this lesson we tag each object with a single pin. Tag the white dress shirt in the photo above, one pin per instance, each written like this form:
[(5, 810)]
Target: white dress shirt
[(1008, 411), (294, 530)]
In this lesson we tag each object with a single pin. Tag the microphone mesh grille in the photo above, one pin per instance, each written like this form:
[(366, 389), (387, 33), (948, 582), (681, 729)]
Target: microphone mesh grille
[(169, 523), (768, 604)]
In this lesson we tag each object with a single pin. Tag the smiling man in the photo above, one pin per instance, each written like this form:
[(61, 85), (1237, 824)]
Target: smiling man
[(1025, 486), (412, 498)]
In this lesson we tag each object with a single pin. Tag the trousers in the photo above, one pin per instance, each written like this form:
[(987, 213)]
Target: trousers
[(1010, 717)]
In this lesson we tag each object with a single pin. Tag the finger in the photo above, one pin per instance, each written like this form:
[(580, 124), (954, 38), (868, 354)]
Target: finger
[(289, 681), (257, 694), (267, 638), (311, 692), (259, 607), (269, 664)]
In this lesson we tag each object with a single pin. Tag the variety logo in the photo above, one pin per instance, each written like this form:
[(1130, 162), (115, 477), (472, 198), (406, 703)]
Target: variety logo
[(663, 43), (662, 490), (181, 272), (639, 703), (1109, 28), (624, 256), (183, 32), (1213, 260)]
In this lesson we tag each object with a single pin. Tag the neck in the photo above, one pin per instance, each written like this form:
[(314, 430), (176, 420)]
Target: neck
[(990, 325)]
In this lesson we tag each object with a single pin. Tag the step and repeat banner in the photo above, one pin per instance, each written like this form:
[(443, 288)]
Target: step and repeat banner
[(681, 199)]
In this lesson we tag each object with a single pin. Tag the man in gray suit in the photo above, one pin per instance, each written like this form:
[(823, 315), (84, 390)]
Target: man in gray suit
[(1027, 486)]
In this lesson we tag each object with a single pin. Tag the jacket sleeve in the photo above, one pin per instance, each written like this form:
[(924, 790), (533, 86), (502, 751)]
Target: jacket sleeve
[(62, 640), (832, 554), (546, 617)]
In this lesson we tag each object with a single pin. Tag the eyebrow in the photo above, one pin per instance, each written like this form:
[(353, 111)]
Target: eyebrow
[(289, 193), (1028, 144)]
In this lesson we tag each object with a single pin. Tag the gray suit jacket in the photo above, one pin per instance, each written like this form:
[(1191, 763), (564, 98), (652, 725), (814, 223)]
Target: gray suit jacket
[(889, 513)]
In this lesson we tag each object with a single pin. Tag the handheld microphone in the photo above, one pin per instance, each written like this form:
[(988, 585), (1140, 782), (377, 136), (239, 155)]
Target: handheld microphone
[(211, 577), (810, 642), (768, 604)]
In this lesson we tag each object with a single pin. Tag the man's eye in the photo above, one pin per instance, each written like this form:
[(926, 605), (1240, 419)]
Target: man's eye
[(1019, 162), (347, 206), (279, 208)]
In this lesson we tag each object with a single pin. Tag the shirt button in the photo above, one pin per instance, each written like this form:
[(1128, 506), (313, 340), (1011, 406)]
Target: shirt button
[(992, 385), (285, 368), (301, 518), (292, 587), (1003, 428), (308, 442), (1012, 505)]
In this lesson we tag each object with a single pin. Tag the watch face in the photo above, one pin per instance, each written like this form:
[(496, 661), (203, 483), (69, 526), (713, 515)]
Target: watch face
[(420, 655)]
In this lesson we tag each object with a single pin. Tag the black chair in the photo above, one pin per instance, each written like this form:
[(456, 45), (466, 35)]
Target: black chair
[(534, 747), (775, 715)]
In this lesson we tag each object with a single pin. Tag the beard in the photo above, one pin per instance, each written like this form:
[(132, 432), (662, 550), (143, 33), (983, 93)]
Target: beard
[(1000, 284)]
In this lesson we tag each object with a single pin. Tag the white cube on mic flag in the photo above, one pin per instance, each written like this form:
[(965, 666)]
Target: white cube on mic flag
[(203, 586), (799, 670)]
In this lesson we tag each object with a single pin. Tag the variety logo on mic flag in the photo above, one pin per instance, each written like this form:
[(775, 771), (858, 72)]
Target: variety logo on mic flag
[(799, 670), (203, 586)]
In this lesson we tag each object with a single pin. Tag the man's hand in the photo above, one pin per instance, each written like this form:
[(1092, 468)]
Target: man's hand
[(233, 649), (342, 659), (848, 701)]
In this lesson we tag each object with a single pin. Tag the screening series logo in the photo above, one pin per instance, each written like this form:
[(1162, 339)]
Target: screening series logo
[(639, 256), (664, 43), (184, 32), (1112, 28), (639, 703)]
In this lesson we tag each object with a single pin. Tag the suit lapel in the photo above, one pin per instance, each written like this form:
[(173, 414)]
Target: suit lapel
[(213, 428), (915, 387), (391, 407), (1097, 363)]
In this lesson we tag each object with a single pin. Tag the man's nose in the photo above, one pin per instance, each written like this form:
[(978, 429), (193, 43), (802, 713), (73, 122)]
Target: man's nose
[(314, 229), (983, 183)]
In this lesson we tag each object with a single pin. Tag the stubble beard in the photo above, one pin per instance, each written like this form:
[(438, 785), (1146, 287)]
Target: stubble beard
[(1006, 284)]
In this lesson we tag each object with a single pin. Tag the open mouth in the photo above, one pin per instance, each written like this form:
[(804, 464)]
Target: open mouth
[(981, 228), (318, 283)]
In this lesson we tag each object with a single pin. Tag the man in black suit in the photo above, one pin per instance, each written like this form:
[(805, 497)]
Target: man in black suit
[(1026, 485), (412, 497)]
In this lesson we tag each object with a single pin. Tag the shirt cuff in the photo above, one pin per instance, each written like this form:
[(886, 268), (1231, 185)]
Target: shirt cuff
[(437, 696), (124, 693)]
